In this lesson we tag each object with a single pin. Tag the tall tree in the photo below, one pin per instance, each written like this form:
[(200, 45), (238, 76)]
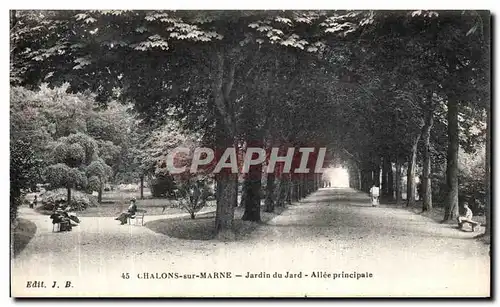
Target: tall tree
[(427, 165), (412, 165), (70, 157), (451, 208), (28, 138)]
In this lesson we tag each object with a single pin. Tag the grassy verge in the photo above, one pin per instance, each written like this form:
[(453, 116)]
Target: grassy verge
[(436, 214), (202, 227), (21, 235)]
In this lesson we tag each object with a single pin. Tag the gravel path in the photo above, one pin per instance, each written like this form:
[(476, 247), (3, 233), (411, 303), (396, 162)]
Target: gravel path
[(333, 231)]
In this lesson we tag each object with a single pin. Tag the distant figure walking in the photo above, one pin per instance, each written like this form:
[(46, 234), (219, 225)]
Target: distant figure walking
[(374, 194), (467, 218), (32, 204), (131, 211)]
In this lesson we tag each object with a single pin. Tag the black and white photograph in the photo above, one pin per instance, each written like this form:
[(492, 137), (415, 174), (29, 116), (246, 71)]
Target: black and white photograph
[(255, 153)]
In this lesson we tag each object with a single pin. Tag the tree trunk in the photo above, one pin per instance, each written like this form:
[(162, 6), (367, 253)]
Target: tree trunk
[(226, 196), (295, 189), (225, 206), (350, 172), (279, 191), (451, 206), (376, 174), (426, 173), (269, 203), (294, 185), (243, 195), (15, 201), (244, 191), (99, 194), (284, 196), (369, 179), (398, 182), (412, 163), (288, 189), (68, 196), (310, 184), (236, 191), (305, 186), (300, 190), (366, 180), (142, 186), (305, 179), (227, 182), (253, 185), (385, 176), (359, 180), (253, 179), (390, 182)]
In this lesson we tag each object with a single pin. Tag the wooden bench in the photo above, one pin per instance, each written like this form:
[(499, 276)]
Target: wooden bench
[(138, 218), (61, 226)]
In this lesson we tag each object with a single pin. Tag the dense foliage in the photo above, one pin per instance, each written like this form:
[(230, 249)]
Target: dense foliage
[(383, 90), (79, 201)]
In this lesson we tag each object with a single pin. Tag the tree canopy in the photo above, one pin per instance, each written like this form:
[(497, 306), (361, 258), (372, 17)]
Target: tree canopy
[(371, 85)]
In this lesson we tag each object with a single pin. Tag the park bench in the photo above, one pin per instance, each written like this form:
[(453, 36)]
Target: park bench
[(66, 225), (60, 226), (138, 218)]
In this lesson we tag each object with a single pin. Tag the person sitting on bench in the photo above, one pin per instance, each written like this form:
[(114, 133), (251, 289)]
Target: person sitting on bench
[(132, 209), (467, 218), (59, 217)]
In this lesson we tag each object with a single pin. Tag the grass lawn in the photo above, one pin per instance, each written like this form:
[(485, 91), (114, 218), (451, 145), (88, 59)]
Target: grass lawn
[(202, 227), (21, 235)]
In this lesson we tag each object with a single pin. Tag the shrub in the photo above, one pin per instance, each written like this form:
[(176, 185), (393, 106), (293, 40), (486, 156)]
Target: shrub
[(471, 185), (79, 200), (471, 179), (162, 186), (193, 194)]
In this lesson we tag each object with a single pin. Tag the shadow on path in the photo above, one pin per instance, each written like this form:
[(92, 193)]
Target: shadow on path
[(344, 212)]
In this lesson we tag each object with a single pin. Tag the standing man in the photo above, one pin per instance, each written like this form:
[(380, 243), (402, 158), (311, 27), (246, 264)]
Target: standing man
[(374, 194)]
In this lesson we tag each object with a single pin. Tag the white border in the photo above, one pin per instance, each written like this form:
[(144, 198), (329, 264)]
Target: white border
[(201, 4)]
